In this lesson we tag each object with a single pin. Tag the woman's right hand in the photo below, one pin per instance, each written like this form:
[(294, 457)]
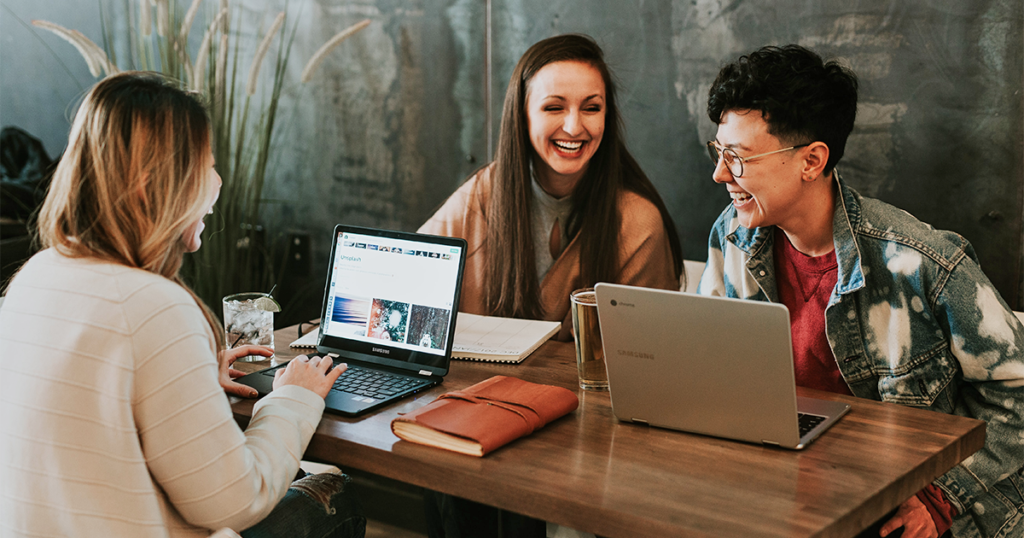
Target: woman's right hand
[(309, 373)]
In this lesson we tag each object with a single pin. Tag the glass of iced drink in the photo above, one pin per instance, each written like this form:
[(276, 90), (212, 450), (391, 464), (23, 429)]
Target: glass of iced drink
[(249, 319), (587, 334)]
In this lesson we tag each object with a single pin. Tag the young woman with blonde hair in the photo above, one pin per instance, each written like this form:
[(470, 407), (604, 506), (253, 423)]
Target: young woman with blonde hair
[(115, 421)]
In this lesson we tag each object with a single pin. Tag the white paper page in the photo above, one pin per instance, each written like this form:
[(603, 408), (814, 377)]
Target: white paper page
[(499, 336)]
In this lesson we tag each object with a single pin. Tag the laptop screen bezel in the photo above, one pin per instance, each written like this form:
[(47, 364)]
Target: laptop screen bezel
[(394, 357)]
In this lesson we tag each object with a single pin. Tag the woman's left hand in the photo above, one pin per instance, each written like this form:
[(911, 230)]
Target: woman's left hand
[(228, 357)]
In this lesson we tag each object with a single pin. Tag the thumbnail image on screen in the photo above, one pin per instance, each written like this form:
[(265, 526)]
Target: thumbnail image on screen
[(389, 320), (350, 315), (428, 326)]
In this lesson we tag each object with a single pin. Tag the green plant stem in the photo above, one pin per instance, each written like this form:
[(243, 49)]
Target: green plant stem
[(234, 256)]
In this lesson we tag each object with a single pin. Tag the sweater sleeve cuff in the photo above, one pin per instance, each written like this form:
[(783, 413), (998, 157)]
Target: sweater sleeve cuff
[(300, 400)]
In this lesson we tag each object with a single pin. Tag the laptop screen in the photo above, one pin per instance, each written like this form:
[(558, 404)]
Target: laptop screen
[(390, 297)]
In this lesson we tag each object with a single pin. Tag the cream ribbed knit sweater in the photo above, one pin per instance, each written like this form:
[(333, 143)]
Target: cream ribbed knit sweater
[(112, 421)]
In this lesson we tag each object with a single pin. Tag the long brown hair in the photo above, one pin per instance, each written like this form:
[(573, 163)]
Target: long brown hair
[(134, 177), (512, 287)]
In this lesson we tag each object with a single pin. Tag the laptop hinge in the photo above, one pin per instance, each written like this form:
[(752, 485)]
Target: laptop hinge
[(639, 420), (424, 372), (773, 443)]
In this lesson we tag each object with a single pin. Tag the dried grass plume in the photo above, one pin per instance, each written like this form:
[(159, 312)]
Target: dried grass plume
[(186, 23), (220, 73), (224, 24), (145, 17), (199, 71), (163, 18), (261, 51), (93, 55), (318, 58)]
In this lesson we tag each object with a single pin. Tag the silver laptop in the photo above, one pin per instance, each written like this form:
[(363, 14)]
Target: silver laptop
[(707, 365)]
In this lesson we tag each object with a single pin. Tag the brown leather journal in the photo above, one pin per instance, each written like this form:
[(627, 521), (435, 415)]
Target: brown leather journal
[(485, 416)]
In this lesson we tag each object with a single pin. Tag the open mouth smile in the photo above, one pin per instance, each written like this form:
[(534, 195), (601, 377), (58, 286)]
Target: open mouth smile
[(569, 148), (740, 198)]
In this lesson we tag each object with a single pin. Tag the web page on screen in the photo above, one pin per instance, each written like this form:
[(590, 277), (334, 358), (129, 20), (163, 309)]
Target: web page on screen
[(392, 291)]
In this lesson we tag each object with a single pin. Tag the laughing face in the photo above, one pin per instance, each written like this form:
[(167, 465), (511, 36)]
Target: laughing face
[(565, 106), (771, 191), (192, 235)]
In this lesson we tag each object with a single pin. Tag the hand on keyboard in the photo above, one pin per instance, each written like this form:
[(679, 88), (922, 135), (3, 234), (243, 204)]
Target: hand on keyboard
[(314, 373)]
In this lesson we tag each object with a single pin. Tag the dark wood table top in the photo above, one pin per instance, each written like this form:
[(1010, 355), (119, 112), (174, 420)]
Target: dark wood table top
[(591, 472)]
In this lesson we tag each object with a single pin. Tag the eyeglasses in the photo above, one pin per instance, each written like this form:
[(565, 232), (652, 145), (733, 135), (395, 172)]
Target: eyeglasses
[(733, 161)]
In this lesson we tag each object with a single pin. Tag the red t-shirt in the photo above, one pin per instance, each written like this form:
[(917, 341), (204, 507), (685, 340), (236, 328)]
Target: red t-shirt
[(804, 284)]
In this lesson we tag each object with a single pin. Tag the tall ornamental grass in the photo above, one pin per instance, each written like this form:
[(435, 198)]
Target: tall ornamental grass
[(227, 69)]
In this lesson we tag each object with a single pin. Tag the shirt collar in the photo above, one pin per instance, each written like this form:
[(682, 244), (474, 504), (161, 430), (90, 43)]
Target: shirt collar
[(846, 220), (543, 197)]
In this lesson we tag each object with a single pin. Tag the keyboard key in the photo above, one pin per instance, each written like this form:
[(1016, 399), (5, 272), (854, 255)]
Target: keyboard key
[(808, 422)]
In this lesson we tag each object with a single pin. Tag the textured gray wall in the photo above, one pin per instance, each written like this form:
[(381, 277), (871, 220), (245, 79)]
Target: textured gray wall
[(400, 114), (939, 129), (41, 76)]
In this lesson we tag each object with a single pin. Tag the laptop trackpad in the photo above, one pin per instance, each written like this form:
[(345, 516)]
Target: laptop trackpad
[(344, 402)]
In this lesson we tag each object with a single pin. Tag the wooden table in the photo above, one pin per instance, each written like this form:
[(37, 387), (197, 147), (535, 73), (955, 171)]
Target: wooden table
[(591, 472)]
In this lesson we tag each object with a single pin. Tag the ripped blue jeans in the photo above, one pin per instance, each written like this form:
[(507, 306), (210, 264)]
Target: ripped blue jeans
[(315, 506)]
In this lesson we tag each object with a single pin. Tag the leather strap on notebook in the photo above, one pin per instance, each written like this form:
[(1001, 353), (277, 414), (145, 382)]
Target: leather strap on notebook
[(532, 418)]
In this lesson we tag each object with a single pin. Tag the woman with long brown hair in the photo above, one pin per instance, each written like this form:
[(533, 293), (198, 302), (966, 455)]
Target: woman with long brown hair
[(115, 420), (563, 205)]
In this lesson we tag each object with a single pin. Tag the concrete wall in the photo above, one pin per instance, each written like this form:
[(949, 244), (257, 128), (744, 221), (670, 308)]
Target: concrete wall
[(400, 114)]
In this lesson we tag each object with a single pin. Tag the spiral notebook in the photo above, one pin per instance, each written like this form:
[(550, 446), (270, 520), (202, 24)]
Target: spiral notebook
[(494, 339), (308, 340), (484, 338)]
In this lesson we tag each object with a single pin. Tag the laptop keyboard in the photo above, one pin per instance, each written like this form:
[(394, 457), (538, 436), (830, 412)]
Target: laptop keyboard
[(375, 383), (808, 422), (371, 383)]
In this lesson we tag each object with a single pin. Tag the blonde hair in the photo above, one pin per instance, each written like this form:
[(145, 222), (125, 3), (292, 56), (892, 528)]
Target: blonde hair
[(133, 178)]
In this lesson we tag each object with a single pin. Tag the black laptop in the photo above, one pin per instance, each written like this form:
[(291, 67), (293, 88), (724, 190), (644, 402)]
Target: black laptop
[(389, 312)]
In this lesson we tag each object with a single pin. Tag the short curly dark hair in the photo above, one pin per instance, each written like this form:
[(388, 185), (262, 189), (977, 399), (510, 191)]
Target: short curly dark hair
[(802, 98)]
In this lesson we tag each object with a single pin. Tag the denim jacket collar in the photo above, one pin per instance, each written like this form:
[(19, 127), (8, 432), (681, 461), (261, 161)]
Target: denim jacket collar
[(912, 320), (846, 219)]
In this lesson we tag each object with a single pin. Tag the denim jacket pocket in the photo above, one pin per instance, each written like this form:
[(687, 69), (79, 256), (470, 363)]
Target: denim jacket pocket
[(920, 381)]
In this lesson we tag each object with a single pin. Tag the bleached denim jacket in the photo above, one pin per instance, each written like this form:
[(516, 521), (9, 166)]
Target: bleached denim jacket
[(912, 320)]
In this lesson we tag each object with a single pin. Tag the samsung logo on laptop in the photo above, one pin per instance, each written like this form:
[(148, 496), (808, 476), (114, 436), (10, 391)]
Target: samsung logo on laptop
[(636, 354), (381, 350)]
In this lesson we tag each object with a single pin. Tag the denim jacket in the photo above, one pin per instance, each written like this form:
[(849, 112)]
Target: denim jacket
[(912, 320)]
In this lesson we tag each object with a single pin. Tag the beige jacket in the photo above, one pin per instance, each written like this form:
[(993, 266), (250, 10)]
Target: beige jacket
[(645, 257)]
